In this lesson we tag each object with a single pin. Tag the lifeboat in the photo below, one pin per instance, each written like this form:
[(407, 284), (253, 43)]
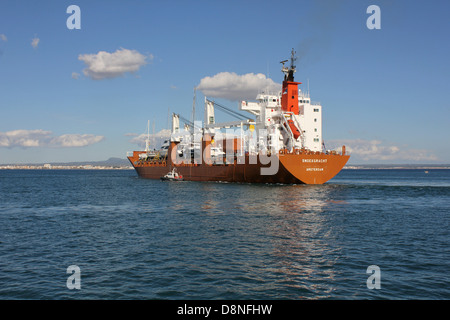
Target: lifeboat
[(294, 129)]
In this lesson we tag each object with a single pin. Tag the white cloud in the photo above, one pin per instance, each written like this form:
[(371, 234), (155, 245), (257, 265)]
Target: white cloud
[(75, 140), (105, 65), (234, 87), (156, 140), (376, 150), (43, 138), (3, 37), (75, 75), (35, 42)]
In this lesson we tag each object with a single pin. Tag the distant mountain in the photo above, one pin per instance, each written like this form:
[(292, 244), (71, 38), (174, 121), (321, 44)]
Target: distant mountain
[(111, 162), (114, 162)]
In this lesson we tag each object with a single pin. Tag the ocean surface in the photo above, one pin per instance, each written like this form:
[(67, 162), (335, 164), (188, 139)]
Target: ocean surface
[(133, 238)]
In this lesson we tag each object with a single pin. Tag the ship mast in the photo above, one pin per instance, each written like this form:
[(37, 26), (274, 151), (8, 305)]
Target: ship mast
[(147, 142), (289, 72), (290, 102), (193, 109), (289, 97)]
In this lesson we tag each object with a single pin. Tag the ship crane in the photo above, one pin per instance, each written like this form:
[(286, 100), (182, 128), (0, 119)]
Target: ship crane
[(242, 119), (229, 111), (186, 121)]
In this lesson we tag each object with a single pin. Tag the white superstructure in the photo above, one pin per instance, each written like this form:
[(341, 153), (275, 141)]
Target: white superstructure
[(285, 120), (269, 116)]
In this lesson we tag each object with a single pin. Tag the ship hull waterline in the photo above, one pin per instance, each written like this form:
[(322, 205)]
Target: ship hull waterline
[(292, 169)]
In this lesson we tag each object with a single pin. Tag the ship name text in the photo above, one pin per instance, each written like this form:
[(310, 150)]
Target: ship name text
[(315, 160), (314, 169)]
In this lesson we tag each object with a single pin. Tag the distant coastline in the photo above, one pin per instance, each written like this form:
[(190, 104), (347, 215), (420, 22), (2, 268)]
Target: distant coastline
[(119, 163), (397, 166), (59, 167), (110, 164)]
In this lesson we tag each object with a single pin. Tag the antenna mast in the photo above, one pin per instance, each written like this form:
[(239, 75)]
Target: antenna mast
[(168, 118), (193, 108), (308, 89), (147, 142), (289, 72), (293, 58)]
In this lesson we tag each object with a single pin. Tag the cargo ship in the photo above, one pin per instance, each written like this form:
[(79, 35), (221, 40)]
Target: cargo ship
[(279, 140)]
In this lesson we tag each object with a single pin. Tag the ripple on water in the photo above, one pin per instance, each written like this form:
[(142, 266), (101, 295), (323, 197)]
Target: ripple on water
[(143, 239)]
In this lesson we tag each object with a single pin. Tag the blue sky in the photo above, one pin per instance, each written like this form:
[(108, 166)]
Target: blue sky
[(383, 92)]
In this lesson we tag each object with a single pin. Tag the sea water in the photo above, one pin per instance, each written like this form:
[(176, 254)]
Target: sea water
[(133, 238)]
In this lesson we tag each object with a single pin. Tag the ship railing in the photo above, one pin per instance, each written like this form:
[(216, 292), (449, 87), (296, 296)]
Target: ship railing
[(303, 94), (129, 153), (269, 93)]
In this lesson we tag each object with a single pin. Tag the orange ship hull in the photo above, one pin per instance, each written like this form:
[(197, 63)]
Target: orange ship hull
[(293, 168)]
